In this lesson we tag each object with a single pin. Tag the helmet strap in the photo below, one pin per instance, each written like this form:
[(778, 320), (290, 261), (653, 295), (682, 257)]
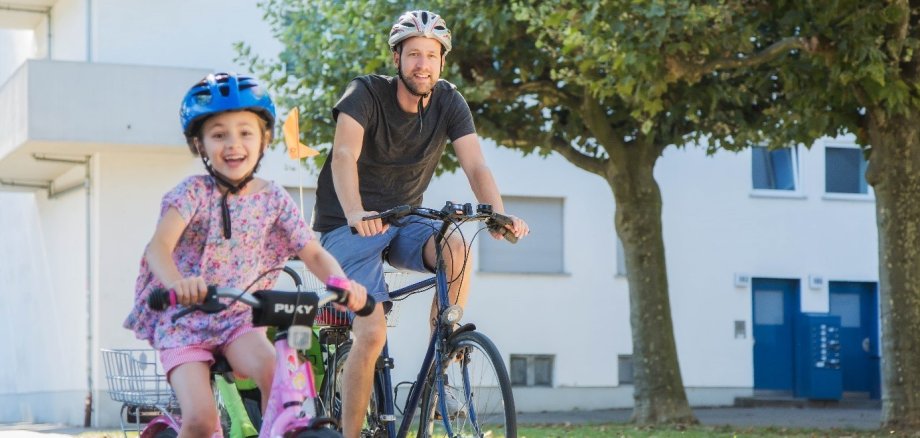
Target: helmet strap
[(231, 188)]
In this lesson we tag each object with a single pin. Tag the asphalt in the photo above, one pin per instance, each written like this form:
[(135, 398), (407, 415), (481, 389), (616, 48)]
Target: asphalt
[(824, 418)]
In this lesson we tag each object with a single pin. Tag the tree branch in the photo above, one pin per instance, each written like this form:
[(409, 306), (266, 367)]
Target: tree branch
[(582, 161), (543, 88), (597, 122), (689, 72)]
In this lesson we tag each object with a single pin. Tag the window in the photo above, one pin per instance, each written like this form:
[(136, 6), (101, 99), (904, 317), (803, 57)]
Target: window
[(309, 200), (845, 170), (539, 253), (774, 169), (625, 367), (531, 370)]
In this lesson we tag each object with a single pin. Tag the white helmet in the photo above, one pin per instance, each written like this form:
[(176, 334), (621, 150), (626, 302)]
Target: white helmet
[(420, 23)]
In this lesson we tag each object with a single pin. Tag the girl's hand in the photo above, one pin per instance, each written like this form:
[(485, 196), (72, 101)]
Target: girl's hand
[(357, 296), (190, 290)]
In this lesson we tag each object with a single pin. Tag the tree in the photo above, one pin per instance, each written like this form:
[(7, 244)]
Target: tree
[(609, 84)]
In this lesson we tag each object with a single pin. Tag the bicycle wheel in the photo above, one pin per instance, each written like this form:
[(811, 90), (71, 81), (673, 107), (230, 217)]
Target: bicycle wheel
[(474, 384), (372, 427)]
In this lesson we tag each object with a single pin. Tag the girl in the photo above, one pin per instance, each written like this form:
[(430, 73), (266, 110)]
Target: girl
[(226, 228)]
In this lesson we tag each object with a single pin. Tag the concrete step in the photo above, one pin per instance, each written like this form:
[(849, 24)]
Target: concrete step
[(774, 401)]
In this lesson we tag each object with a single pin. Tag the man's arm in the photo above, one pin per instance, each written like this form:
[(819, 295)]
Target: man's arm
[(347, 144), (473, 163)]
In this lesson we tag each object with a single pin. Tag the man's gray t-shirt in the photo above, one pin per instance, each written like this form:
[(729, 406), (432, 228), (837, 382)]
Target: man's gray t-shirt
[(397, 160)]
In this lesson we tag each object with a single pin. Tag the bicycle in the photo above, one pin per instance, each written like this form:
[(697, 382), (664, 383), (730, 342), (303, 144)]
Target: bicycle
[(291, 408), (461, 364)]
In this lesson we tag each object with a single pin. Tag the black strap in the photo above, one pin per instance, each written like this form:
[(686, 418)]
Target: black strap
[(231, 188)]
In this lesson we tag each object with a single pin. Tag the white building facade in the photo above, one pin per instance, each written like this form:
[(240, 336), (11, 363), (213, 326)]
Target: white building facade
[(90, 141)]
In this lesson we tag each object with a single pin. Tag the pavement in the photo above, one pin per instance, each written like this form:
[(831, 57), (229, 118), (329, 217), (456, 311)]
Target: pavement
[(824, 418)]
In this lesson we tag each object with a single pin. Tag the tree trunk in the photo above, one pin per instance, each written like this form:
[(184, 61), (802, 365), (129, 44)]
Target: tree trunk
[(894, 172), (659, 391)]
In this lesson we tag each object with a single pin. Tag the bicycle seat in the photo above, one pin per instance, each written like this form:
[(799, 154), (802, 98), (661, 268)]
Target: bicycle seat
[(221, 365)]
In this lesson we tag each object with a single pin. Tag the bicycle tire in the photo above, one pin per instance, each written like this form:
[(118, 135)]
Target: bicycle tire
[(491, 402), (373, 427)]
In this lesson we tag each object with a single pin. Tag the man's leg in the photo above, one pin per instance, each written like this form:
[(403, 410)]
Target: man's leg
[(360, 258), (456, 256), (358, 377)]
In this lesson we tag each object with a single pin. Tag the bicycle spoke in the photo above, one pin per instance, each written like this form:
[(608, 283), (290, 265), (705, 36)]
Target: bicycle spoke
[(472, 396)]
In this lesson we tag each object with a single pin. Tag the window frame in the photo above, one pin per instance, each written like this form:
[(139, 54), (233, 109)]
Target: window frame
[(530, 378), (797, 192), (869, 196)]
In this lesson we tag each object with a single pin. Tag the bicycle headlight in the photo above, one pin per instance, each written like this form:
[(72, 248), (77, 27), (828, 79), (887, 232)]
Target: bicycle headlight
[(452, 314)]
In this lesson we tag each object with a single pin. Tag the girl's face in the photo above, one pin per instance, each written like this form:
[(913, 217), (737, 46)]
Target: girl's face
[(233, 142)]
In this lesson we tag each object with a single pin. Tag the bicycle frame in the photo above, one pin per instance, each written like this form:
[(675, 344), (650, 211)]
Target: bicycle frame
[(291, 387)]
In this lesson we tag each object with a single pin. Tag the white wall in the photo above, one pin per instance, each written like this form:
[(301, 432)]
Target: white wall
[(17, 46), (43, 280), (714, 228), (69, 31), (179, 33)]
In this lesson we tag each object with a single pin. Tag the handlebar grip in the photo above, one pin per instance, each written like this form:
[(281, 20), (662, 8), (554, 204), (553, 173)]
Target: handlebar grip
[(161, 299), (368, 308), (507, 234), (497, 224), (342, 285)]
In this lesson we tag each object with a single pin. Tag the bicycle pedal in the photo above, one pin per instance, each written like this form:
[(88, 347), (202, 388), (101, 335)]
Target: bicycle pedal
[(387, 418)]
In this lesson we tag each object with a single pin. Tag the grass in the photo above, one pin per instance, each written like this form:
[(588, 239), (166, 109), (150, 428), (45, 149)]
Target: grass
[(625, 430)]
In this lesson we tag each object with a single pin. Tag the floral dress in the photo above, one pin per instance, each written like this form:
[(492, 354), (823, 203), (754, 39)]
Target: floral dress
[(267, 228)]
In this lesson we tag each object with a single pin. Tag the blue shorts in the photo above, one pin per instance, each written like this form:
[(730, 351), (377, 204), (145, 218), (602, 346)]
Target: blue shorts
[(362, 257)]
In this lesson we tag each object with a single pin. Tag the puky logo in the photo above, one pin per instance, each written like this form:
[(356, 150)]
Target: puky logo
[(300, 309)]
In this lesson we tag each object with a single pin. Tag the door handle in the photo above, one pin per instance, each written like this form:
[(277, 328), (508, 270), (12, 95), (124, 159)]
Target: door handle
[(865, 345)]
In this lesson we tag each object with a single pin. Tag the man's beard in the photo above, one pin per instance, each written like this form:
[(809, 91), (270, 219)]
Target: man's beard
[(411, 86)]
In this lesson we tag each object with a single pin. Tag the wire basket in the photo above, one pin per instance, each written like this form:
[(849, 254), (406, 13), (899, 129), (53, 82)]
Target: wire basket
[(136, 377), (329, 315), (395, 280)]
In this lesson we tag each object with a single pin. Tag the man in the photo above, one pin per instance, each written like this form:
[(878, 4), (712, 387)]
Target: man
[(390, 134)]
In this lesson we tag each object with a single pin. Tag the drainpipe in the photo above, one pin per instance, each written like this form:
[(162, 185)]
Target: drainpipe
[(87, 185), (48, 20), (89, 30)]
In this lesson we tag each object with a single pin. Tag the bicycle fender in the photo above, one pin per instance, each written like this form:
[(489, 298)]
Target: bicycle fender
[(468, 327), (156, 425)]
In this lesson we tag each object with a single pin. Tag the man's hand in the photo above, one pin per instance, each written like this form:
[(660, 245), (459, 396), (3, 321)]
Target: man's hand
[(518, 227), (367, 228)]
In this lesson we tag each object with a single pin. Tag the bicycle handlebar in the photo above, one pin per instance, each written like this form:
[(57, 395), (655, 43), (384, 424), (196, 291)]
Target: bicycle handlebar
[(269, 306), (450, 212)]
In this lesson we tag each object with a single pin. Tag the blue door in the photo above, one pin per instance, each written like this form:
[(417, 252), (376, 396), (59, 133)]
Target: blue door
[(776, 304), (856, 304)]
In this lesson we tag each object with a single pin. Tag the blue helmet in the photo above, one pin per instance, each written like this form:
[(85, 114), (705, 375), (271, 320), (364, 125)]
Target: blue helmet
[(219, 92)]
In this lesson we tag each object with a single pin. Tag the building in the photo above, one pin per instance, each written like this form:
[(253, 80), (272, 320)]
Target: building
[(89, 142)]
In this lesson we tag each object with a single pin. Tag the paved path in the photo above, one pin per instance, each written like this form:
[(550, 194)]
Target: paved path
[(815, 418), (792, 417)]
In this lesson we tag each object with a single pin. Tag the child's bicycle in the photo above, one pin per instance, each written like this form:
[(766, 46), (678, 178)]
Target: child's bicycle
[(291, 408), (462, 387)]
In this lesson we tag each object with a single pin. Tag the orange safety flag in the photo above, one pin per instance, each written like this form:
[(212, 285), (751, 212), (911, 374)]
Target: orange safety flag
[(291, 129)]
